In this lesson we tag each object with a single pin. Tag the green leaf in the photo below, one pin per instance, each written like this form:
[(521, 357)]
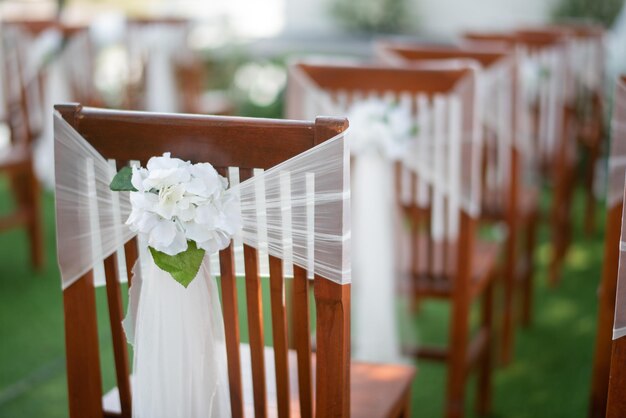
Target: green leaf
[(121, 182), (183, 266)]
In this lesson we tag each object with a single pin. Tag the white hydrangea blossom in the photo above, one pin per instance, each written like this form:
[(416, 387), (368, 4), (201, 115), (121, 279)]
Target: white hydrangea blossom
[(177, 201), (380, 125)]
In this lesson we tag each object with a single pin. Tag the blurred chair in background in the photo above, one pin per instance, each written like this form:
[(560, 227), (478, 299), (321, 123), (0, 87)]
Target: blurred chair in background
[(546, 110), (613, 247), (166, 75), (439, 191), (507, 194), (22, 104)]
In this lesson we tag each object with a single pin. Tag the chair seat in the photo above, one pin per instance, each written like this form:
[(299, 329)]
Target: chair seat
[(377, 390), (438, 281), (14, 157), (528, 206)]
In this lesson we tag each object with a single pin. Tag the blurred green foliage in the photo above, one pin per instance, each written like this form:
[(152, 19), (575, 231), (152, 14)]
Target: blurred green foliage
[(383, 16), (600, 11)]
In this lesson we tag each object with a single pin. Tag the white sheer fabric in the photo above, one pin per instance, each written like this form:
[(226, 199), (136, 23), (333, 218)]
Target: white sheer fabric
[(297, 211), (159, 44), (616, 190), (446, 120), (617, 156), (616, 53), (90, 227), (179, 347), (495, 95)]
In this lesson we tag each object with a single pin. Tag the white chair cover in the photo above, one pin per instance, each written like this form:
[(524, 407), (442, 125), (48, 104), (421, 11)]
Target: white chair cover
[(179, 366)]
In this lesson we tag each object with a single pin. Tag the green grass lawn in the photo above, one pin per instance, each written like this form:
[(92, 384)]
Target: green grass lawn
[(549, 377)]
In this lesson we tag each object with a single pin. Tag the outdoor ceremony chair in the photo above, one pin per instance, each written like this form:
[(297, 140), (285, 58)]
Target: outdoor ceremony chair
[(16, 160), (585, 62), (160, 45), (459, 267), (542, 58), (323, 383), (608, 284), (508, 195)]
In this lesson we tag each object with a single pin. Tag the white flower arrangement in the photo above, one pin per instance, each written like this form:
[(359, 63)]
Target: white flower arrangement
[(183, 211), (381, 125)]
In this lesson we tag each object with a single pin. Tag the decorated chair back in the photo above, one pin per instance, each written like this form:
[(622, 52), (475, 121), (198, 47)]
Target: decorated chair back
[(438, 178), (544, 89), (22, 84), (238, 148), (155, 46), (496, 97)]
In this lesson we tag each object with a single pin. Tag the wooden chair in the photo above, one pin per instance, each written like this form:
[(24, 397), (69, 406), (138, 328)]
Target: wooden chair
[(558, 161), (190, 72), (585, 49), (328, 384), (471, 263), (16, 161), (586, 54), (607, 290), (512, 200)]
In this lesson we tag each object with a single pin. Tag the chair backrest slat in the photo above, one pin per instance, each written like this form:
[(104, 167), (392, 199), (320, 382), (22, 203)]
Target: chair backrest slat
[(131, 254), (116, 315), (279, 333), (302, 340), (228, 282), (254, 303)]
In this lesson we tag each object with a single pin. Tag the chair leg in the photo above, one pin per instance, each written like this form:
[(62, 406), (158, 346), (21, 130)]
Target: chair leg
[(35, 225), (483, 404), (406, 412), (508, 317), (457, 362), (27, 193), (529, 271), (590, 204)]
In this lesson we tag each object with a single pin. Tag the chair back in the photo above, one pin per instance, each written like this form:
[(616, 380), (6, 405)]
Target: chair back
[(22, 86), (439, 184), (496, 97), (238, 145)]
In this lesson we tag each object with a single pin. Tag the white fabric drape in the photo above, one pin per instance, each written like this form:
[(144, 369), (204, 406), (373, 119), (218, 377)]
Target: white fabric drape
[(179, 347), (160, 44)]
